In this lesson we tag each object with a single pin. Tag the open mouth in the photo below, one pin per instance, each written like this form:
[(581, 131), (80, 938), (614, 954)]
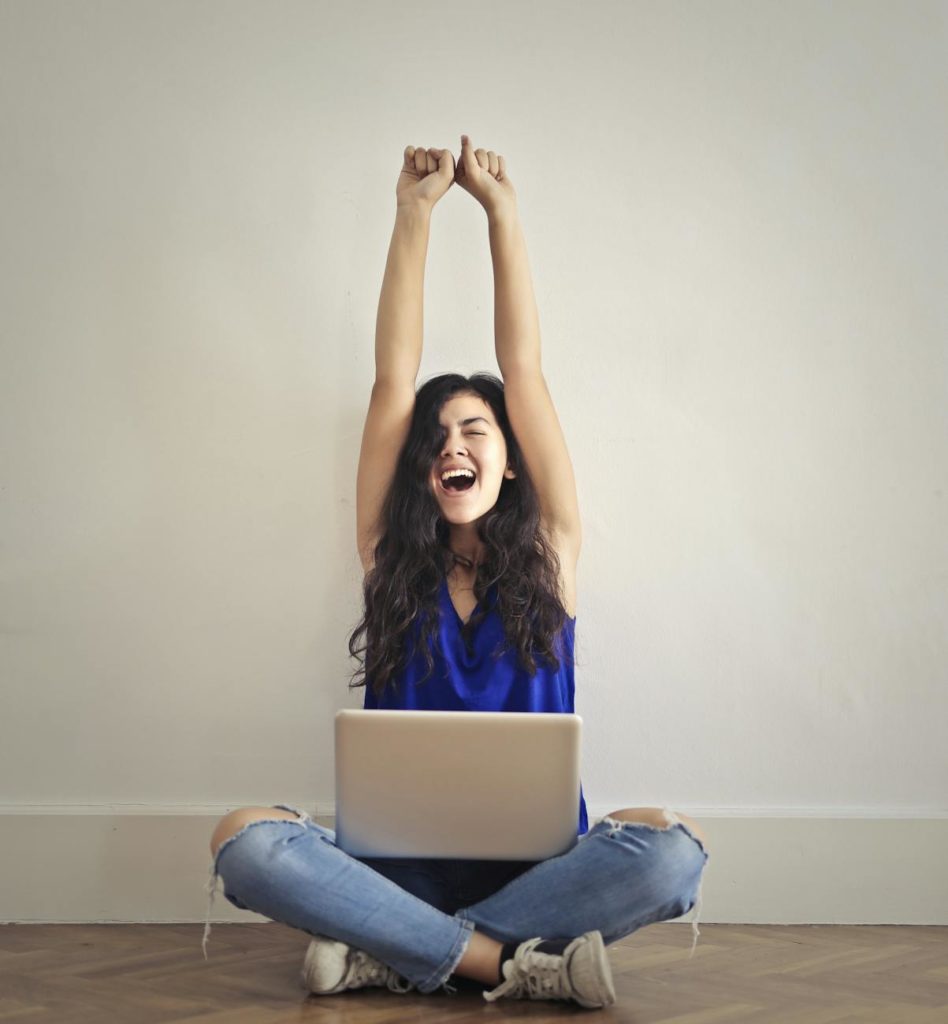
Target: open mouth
[(457, 482)]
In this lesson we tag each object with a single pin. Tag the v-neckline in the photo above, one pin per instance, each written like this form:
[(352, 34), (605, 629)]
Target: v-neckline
[(457, 614)]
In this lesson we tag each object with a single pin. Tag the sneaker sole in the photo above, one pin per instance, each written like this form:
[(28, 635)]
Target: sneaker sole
[(594, 976), (324, 957)]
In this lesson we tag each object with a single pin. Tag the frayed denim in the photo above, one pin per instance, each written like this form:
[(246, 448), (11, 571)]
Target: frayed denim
[(416, 915)]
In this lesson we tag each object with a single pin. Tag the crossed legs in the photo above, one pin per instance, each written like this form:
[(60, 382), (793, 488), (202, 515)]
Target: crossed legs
[(481, 959)]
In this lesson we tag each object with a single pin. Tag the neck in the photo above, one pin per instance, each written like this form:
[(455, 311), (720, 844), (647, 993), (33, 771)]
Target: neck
[(465, 543)]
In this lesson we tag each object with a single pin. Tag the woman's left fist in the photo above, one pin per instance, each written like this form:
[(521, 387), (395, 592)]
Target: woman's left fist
[(484, 174)]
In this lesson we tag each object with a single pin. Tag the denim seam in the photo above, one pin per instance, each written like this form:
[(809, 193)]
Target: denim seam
[(454, 957)]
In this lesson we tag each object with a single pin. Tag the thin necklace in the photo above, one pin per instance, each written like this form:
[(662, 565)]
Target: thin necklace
[(460, 560)]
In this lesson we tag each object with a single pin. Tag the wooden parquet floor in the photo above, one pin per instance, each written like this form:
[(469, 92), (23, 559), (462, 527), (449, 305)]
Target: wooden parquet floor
[(146, 974)]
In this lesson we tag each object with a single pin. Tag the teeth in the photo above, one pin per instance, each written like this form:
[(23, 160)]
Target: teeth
[(456, 472)]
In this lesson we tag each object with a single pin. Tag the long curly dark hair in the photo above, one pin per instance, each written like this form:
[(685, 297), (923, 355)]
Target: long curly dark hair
[(413, 556)]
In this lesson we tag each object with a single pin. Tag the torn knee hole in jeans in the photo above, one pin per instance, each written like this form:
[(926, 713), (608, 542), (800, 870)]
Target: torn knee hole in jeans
[(616, 824), (301, 819), (210, 888), (671, 820)]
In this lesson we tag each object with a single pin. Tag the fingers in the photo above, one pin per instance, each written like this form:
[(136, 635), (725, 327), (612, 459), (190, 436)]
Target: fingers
[(415, 160), (486, 159), (435, 157), (489, 161), (467, 153), (427, 161), (422, 161)]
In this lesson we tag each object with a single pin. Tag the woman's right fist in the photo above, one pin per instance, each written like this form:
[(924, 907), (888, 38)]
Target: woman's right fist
[(425, 176)]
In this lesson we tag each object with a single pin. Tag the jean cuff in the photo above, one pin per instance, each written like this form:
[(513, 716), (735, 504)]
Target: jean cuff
[(441, 975)]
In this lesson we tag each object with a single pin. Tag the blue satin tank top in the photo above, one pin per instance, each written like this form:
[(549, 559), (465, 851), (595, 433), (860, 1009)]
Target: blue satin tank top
[(471, 678)]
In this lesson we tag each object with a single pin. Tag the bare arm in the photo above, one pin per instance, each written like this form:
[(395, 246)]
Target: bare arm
[(529, 405), (399, 325), (425, 176), (516, 321), (398, 344)]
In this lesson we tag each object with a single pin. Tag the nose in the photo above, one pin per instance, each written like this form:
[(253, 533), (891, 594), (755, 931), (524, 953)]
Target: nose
[(452, 446)]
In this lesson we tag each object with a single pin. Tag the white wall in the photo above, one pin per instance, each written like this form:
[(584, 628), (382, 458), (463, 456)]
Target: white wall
[(735, 215)]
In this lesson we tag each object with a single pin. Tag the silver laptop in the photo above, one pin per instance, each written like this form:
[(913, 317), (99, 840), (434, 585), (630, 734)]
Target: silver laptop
[(479, 785)]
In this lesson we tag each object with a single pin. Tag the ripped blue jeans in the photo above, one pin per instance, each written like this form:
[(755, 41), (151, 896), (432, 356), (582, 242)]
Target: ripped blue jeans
[(416, 915)]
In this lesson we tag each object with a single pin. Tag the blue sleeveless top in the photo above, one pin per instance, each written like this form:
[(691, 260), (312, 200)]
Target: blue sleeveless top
[(473, 679)]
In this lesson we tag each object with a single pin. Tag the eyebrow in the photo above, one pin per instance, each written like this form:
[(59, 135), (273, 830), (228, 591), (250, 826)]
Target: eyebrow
[(472, 419)]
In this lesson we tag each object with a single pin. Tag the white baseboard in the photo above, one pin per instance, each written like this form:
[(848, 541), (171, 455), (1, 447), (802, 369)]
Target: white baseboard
[(150, 864)]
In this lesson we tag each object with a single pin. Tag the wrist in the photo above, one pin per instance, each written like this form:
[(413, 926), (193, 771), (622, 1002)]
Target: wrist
[(413, 210), (505, 213)]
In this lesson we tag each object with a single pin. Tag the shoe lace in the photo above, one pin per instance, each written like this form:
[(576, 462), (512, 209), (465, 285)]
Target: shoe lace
[(365, 969), (533, 975)]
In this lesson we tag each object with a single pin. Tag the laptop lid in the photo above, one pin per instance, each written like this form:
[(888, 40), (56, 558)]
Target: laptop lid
[(480, 785)]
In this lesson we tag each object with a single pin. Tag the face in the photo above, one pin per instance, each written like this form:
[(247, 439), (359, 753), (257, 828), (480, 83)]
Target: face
[(473, 441)]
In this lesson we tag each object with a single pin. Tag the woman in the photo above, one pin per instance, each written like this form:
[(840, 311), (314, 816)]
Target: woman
[(468, 531)]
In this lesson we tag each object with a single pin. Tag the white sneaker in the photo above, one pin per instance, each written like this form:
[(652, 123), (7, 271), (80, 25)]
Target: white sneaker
[(330, 966), (581, 973)]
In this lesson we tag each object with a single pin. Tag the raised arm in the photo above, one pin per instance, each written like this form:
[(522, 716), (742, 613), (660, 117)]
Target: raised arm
[(517, 342), (425, 176), (529, 405)]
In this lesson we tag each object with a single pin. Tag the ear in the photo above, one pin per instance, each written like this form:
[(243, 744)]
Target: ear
[(509, 474)]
